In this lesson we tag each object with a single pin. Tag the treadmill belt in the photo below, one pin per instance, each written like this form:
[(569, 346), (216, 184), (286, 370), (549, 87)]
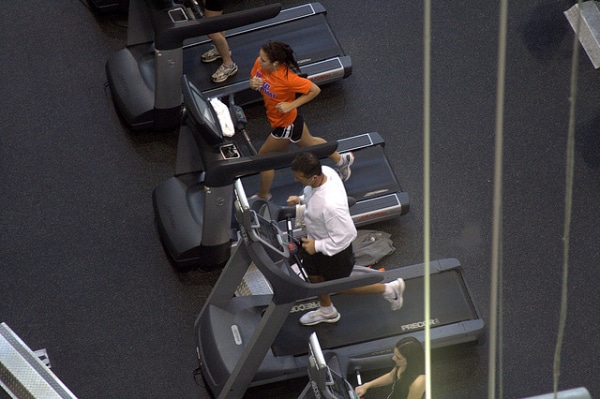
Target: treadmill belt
[(369, 317), (311, 38), (372, 176)]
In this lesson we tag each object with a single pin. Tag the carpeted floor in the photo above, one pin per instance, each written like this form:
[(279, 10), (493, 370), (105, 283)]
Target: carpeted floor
[(82, 272)]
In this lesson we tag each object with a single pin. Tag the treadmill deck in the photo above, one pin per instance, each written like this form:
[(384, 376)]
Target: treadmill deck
[(369, 317)]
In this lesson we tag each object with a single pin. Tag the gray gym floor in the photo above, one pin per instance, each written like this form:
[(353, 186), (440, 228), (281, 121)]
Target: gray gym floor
[(82, 272)]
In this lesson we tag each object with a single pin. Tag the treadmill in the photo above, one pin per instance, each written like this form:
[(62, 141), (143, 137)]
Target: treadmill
[(325, 381), (373, 183), (194, 208), (250, 340), (164, 42)]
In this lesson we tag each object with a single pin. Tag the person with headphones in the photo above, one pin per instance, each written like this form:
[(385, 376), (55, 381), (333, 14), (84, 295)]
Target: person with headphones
[(274, 74), (326, 251), (407, 378)]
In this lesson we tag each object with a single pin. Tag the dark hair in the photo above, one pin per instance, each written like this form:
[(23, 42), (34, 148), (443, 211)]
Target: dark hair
[(307, 163), (282, 53), (412, 350)]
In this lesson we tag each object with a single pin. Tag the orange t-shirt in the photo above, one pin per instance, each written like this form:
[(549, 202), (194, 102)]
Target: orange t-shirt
[(280, 86)]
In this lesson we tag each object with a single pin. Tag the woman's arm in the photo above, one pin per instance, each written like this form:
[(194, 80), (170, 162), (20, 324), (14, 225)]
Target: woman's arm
[(284, 107), (417, 388), (380, 381)]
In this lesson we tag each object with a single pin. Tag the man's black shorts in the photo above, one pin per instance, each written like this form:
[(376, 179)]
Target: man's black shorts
[(330, 267)]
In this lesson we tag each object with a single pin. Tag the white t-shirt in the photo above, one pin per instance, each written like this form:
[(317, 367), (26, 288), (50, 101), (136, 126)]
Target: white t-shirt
[(327, 217)]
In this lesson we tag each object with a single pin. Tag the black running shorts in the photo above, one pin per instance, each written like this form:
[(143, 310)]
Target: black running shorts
[(330, 267), (214, 5), (292, 132)]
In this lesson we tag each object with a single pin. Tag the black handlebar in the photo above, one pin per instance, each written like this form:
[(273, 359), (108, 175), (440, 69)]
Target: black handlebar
[(169, 35), (223, 172)]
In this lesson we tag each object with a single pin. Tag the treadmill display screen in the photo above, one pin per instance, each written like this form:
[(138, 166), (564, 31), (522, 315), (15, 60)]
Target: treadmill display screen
[(267, 233), (202, 111)]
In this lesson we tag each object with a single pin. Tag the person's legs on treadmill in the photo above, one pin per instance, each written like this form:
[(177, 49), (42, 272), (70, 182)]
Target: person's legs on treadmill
[(391, 291), (228, 67), (338, 266), (272, 144), (327, 312)]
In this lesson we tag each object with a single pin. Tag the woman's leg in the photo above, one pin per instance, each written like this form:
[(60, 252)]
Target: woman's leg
[(308, 140), (266, 177)]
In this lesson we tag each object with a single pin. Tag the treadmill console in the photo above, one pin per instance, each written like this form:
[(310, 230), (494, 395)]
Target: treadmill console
[(268, 233), (177, 15), (324, 381), (202, 113)]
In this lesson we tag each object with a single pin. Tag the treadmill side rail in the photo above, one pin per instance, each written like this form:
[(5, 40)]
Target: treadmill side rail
[(360, 141), (286, 15)]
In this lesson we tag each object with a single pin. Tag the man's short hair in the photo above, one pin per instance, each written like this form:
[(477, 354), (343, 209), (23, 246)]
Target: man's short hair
[(307, 163)]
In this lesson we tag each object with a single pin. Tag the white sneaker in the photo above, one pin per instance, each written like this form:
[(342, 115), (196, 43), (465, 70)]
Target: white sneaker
[(344, 169), (224, 72), (316, 316), (395, 298), (211, 55)]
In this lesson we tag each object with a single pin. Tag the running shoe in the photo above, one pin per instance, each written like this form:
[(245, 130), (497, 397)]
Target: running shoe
[(344, 169), (211, 55), (224, 72), (316, 316), (395, 297)]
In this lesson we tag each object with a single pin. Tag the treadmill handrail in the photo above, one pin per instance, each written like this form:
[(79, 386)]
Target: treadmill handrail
[(224, 172), (282, 18), (297, 289), (169, 35)]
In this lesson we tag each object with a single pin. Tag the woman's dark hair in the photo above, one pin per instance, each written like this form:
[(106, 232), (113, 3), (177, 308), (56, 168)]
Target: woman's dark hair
[(412, 350), (307, 164), (282, 53)]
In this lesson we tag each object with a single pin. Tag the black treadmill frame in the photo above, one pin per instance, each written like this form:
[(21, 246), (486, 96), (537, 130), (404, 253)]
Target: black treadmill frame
[(234, 334), (190, 207)]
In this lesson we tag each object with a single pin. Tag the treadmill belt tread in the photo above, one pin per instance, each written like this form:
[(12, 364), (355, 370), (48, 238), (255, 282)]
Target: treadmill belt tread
[(311, 38), (371, 174), (369, 317)]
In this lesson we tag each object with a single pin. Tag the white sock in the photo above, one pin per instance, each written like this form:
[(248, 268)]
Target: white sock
[(340, 162)]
